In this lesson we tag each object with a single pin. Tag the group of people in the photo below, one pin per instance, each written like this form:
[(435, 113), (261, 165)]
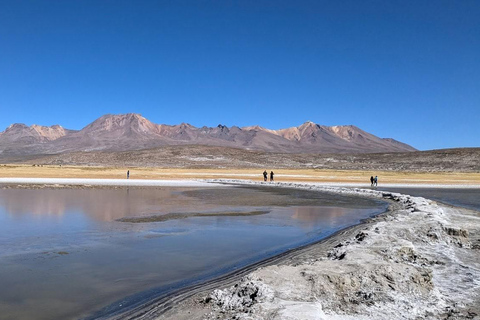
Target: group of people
[(265, 175), (373, 181)]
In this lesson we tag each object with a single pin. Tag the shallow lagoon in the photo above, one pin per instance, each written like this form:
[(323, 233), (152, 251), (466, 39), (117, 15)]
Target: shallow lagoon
[(65, 254), (462, 197)]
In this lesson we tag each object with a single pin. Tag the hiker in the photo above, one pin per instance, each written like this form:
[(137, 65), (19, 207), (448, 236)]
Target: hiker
[(375, 180), (271, 176), (265, 174), (128, 174), (371, 181)]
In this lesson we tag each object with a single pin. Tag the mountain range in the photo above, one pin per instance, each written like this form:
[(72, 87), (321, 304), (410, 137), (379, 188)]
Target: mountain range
[(131, 131)]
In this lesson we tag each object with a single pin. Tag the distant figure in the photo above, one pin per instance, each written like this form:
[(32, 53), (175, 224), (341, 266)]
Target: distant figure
[(271, 175), (265, 174), (371, 181), (376, 181), (128, 174)]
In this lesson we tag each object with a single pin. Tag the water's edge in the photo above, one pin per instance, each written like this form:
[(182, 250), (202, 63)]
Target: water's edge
[(160, 304), (154, 302)]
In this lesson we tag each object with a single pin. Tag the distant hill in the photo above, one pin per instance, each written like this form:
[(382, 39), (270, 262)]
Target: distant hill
[(131, 131)]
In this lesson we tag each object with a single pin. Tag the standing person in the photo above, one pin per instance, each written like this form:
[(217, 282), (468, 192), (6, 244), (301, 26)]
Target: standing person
[(265, 174), (371, 181), (376, 181), (128, 174), (271, 176)]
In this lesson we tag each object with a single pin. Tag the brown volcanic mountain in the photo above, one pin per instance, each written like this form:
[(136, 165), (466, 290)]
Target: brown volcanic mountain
[(134, 132), (19, 132)]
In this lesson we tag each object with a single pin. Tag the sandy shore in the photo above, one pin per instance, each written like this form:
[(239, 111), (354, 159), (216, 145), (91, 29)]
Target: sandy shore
[(420, 260), (337, 177)]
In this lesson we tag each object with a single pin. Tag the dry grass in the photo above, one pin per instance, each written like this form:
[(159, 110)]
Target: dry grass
[(306, 175)]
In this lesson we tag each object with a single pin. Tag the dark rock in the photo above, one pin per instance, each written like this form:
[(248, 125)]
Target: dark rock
[(456, 232), (361, 236)]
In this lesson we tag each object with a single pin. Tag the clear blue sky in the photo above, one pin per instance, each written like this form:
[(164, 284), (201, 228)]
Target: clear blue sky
[(409, 70)]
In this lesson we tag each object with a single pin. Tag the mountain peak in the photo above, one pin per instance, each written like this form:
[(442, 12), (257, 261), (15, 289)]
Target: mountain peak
[(308, 124), (16, 126), (120, 126), (136, 116), (185, 125), (34, 133), (108, 116), (255, 127), (49, 133)]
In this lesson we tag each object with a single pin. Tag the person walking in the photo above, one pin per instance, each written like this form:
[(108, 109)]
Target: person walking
[(271, 176), (371, 181), (128, 174), (265, 174), (376, 181)]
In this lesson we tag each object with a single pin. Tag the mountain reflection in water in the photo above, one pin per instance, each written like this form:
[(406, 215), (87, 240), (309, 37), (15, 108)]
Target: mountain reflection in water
[(99, 205), (312, 214)]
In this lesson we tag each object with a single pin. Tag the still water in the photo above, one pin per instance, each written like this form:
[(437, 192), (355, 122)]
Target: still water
[(461, 197), (65, 255)]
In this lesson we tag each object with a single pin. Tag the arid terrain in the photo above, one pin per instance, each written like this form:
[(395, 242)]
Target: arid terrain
[(255, 174), (207, 157)]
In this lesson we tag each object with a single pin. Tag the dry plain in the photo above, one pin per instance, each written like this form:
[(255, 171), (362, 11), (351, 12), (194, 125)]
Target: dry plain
[(282, 175)]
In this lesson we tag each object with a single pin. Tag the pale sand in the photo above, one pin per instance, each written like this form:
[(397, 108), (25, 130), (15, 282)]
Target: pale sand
[(350, 177), (61, 182)]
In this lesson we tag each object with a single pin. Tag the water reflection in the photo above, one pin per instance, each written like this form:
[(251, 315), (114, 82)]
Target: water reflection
[(99, 205), (462, 197), (65, 247), (313, 214)]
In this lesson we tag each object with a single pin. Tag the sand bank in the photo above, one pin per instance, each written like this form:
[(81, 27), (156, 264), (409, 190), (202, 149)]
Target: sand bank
[(420, 260)]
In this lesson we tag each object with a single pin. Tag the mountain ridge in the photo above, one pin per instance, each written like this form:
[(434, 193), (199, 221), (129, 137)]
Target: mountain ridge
[(123, 132)]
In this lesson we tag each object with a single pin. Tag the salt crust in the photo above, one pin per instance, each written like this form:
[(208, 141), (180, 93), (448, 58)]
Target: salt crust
[(419, 261)]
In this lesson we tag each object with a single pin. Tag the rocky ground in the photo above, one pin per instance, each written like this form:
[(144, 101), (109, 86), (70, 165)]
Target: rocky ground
[(447, 160), (421, 260)]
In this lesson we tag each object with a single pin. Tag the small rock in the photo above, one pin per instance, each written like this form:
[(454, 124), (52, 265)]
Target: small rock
[(361, 236), (456, 232)]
